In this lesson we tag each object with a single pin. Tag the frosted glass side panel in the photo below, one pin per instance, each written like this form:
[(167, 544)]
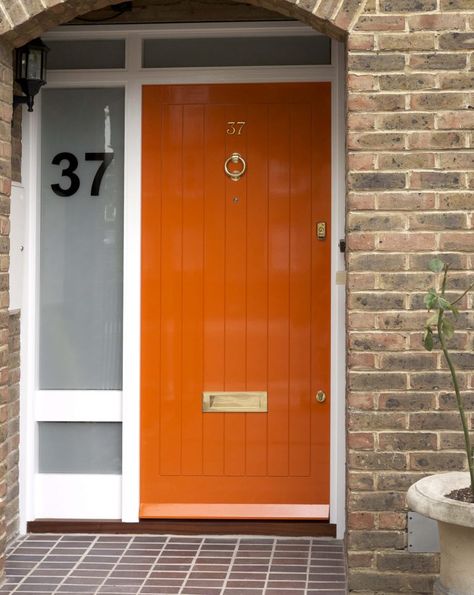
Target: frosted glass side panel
[(91, 53), (237, 51), (80, 447), (81, 260)]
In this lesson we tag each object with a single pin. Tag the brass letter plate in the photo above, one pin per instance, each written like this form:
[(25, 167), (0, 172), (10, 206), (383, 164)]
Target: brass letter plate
[(234, 402)]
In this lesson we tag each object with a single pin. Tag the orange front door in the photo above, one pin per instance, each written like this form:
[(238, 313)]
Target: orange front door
[(235, 297)]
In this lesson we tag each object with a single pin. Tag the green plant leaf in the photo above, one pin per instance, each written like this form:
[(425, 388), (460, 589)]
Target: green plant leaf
[(444, 304), (436, 265), (447, 328), (433, 319), (431, 299), (428, 339)]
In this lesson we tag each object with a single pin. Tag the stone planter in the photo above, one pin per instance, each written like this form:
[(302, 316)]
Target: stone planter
[(456, 529)]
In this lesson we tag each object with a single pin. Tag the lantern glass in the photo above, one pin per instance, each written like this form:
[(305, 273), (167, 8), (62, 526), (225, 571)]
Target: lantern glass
[(31, 62), (22, 65), (34, 65)]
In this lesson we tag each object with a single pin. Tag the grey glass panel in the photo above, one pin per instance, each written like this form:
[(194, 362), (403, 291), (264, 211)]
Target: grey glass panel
[(237, 51), (81, 54), (81, 260), (80, 447)]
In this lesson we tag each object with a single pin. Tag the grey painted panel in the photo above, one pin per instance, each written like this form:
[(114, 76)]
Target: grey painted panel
[(80, 447)]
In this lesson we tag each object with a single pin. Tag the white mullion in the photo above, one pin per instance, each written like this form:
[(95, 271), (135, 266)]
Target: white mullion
[(78, 405), (211, 75), (183, 30), (131, 305), (66, 79), (236, 74), (337, 431), (29, 327), (133, 54), (78, 496)]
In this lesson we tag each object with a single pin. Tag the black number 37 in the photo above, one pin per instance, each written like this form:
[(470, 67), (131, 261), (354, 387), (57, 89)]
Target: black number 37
[(72, 165)]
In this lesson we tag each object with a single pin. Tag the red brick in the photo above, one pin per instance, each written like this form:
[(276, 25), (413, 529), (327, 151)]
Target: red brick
[(361, 520), (381, 23), (460, 119), (436, 140), (436, 22), (403, 42), (405, 242), (361, 441), (462, 241)]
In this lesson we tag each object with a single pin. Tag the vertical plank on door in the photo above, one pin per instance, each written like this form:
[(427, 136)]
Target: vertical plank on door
[(278, 298), (321, 269), (151, 292), (257, 284), (235, 294), (171, 290), (192, 326), (299, 418), (214, 297)]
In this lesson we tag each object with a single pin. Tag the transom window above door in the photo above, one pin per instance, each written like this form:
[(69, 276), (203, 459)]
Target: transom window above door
[(237, 51), (196, 46)]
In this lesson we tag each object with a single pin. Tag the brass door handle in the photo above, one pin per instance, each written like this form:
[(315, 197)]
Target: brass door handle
[(235, 158)]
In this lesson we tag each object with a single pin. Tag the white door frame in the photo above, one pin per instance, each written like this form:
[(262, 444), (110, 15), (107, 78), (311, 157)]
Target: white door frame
[(125, 405)]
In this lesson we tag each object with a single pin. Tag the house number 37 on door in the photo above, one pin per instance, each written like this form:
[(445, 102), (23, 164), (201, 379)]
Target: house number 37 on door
[(235, 128), (69, 164)]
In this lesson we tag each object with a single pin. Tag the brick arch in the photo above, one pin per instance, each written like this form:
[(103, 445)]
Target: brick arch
[(26, 20), (332, 17)]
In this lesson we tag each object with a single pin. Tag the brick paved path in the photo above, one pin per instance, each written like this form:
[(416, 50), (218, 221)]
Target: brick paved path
[(156, 564)]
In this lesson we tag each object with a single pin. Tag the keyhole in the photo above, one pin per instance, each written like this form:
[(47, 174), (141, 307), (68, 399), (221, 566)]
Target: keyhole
[(235, 200)]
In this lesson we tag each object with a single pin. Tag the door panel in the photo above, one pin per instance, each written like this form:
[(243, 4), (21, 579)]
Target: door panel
[(235, 297)]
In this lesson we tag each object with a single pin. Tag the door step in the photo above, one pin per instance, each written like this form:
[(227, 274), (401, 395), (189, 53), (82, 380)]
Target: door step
[(307, 512), (186, 527)]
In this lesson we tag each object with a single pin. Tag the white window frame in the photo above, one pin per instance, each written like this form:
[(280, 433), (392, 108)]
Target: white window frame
[(124, 405)]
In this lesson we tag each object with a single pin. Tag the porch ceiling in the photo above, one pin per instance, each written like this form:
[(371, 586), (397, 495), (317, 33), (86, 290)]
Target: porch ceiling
[(175, 11)]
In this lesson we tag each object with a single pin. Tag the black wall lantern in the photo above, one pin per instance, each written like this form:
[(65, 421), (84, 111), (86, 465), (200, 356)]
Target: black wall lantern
[(30, 71)]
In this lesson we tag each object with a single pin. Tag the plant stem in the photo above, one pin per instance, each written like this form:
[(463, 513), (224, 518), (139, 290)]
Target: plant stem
[(462, 295), (467, 439)]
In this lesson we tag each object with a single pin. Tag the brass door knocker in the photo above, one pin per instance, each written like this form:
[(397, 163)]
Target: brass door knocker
[(235, 158)]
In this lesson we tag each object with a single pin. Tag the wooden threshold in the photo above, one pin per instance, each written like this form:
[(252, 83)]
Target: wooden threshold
[(255, 512), (292, 528)]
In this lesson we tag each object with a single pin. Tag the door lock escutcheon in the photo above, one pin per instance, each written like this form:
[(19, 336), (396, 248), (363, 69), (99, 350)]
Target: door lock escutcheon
[(321, 230), (320, 396)]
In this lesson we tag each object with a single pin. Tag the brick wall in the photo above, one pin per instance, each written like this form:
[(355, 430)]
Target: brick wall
[(6, 411), (410, 135), (13, 426), (410, 195)]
